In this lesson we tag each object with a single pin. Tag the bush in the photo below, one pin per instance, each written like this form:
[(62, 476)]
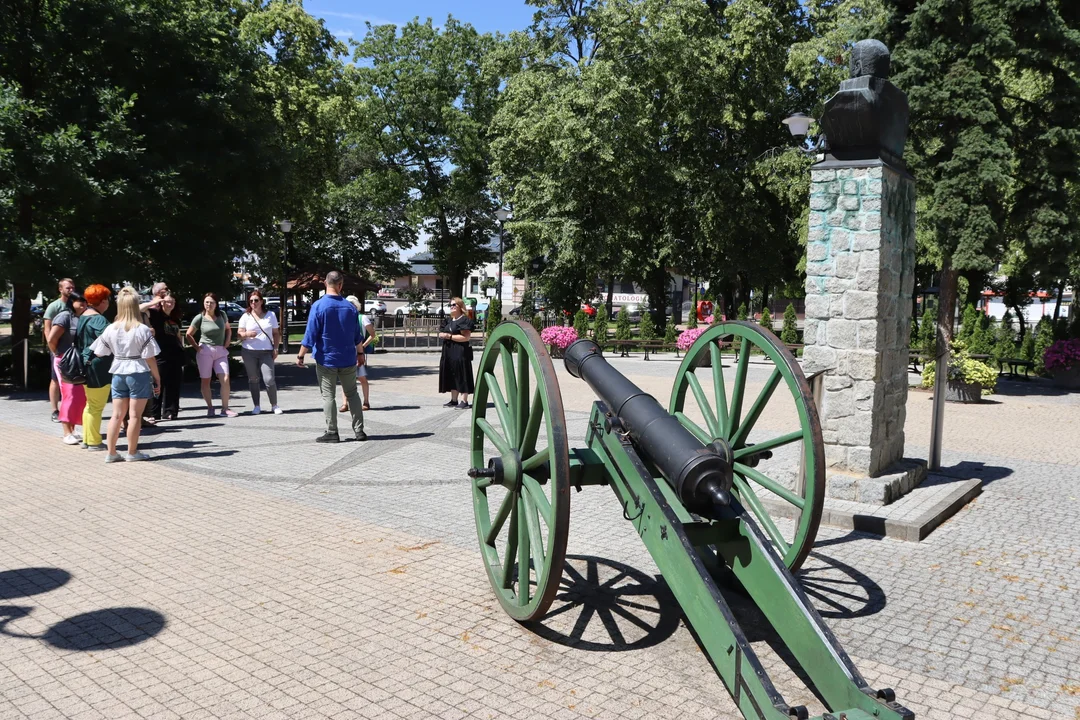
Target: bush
[(981, 340), (1005, 340), (766, 319), (600, 326), (790, 333), (1044, 338), (928, 331), (623, 331), (691, 322), (494, 315), (742, 315), (559, 336), (962, 368), (1027, 347), (687, 338), (1062, 355), (581, 324), (646, 328), (969, 324), (671, 334)]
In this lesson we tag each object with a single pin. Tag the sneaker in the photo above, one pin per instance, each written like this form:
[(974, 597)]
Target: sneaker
[(56, 416), (210, 412), (70, 439), (114, 458), (464, 405), (96, 448), (452, 403), (361, 436), (278, 411), (256, 410), (136, 457), (228, 413), (328, 437)]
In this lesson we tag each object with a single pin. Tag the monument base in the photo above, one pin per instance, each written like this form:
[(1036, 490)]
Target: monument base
[(897, 481)]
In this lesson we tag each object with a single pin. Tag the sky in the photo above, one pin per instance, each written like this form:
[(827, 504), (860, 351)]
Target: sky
[(346, 18)]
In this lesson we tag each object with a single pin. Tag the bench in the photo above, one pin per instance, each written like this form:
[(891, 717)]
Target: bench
[(656, 347), (915, 357), (1014, 365)]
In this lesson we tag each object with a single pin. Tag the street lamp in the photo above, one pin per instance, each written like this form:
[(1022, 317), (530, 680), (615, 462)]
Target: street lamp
[(286, 228), (798, 124), (503, 215)]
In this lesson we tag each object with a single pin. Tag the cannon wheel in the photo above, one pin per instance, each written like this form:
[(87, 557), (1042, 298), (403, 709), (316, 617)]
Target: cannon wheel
[(522, 525), (724, 419)]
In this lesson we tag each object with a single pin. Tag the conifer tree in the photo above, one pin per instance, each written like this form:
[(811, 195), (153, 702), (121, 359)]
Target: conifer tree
[(646, 328), (494, 315), (581, 323), (600, 326), (790, 333), (671, 334), (623, 331), (1004, 341), (742, 314), (1044, 338), (766, 319)]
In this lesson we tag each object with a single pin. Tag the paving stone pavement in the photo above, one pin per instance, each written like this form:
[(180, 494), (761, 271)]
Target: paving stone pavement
[(248, 572)]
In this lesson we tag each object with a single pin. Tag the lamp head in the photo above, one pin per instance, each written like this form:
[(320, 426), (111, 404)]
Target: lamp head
[(286, 225), (503, 214), (798, 124)]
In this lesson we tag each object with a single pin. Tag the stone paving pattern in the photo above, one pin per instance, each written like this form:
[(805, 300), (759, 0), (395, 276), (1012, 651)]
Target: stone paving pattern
[(248, 572)]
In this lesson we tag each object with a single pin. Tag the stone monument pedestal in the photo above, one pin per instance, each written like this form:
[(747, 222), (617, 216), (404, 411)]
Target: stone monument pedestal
[(860, 277)]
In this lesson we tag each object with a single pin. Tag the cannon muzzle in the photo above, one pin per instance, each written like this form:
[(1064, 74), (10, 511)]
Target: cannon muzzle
[(700, 475)]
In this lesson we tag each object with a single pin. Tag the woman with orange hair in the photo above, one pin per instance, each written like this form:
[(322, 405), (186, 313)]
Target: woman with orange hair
[(92, 324)]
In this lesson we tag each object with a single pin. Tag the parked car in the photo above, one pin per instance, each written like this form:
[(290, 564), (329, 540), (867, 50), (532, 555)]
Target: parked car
[(589, 309), (273, 304), (5, 313), (232, 310), (376, 306)]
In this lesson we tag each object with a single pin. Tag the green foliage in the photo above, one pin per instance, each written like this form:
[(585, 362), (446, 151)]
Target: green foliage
[(1004, 346), (790, 332), (527, 309), (537, 322), (581, 323), (600, 324), (646, 328), (1061, 328), (692, 321), (494, 315), (623, 331), (415, 293), (741, 314), (1027, 346), (766, 319), (1044, 338), (671, 333), (970, 324), (962, 368), (928, 331)]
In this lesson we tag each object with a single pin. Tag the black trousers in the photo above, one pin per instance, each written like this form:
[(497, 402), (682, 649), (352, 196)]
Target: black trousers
[(172, 375)]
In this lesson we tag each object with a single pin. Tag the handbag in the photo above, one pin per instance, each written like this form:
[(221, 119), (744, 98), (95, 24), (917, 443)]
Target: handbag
[(72, 368)]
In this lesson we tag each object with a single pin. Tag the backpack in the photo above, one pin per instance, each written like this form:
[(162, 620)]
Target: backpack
[(72, 368)]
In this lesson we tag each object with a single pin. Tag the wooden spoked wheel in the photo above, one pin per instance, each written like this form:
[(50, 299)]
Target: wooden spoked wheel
[(776, 441), (522, 498)]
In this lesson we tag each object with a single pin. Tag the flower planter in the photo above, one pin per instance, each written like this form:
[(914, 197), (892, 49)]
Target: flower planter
[(1068, 379), (962, 392), (555, 352)]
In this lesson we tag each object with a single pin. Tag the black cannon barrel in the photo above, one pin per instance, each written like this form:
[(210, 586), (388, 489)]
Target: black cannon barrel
[(700, 475)]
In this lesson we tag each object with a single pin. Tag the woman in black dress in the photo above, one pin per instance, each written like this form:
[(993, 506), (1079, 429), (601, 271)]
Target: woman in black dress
[(455, 367)]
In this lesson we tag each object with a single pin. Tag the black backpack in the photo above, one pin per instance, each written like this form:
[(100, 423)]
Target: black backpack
[(72, 368)]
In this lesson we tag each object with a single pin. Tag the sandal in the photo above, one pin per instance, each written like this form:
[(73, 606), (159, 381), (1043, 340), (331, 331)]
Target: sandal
[(365, 406), (344, 407)]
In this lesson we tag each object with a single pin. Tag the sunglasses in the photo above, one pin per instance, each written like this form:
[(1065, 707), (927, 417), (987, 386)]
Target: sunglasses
[(255, 300)]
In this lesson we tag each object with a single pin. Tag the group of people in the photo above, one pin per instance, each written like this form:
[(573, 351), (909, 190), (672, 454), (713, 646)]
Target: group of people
[(139, 359)]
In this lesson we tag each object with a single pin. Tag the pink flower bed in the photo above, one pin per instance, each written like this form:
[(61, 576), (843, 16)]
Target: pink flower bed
[(687, 337), (559, 336), (1062, 355)]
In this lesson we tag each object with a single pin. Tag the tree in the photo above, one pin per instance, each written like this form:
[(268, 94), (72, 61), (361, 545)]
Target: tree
[(623, 331), (790, 332), (741, 314), (1004, 346), (116, 169), (600, 326), (928, 331), (766, 319), (1044, 338), (671, 333), (494, 315), (581, 323), (431, 94), (646, 328)]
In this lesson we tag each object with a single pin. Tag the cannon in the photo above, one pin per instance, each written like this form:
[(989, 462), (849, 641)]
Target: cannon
[(718, 495)]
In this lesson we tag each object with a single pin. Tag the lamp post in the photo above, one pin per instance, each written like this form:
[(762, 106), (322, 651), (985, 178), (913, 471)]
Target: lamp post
[(798, 124), (286, 228), (503, 215)]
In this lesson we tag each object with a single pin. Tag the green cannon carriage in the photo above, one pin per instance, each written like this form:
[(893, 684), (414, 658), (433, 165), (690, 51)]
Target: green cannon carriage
[(711, 487)]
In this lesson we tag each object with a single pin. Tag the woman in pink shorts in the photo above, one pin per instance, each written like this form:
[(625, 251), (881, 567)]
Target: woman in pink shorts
[(211, 333)]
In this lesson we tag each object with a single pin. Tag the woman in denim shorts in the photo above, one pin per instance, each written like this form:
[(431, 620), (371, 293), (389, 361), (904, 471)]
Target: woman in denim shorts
[(211, 333), (134, 371)]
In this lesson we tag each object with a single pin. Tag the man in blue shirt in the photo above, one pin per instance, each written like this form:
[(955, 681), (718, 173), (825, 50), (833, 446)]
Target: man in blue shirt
[(334, 331)]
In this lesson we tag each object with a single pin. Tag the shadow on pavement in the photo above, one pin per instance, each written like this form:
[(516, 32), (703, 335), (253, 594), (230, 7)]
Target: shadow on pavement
[(966, 470), (31, 581), (607, 606)]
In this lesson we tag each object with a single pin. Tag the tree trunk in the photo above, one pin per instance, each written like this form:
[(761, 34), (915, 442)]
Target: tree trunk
[(946, 305), (610, 293), (1020, 319), (1060, 292)]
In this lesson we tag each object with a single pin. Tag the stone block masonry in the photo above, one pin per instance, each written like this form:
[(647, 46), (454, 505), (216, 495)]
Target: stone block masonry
[(860, 275)]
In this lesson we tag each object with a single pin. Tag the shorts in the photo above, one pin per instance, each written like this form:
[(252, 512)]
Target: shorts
[(211, 359), (138, 386), (361, 371)]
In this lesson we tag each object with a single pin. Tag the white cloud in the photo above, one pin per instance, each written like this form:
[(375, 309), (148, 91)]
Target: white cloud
[(374, 20)]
